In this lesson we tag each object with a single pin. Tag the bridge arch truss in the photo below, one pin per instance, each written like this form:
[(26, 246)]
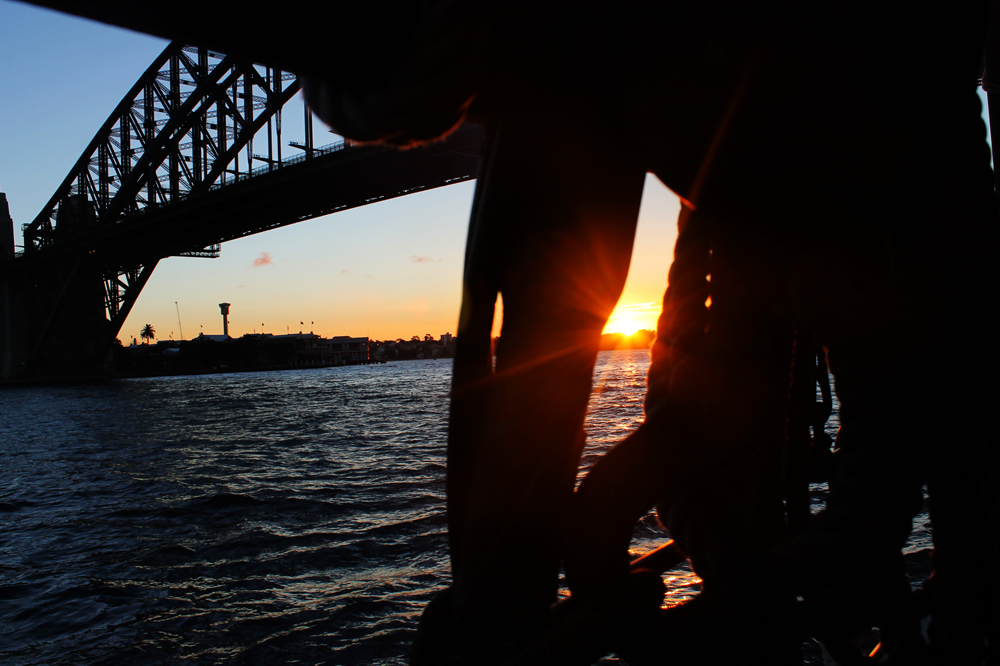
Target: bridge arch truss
[(183, 127)]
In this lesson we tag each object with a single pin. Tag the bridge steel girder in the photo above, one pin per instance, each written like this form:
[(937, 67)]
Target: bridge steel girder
[(177, 132), (329, 183), (168, 113)]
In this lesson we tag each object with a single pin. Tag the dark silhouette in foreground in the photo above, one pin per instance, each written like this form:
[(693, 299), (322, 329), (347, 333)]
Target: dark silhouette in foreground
[(818, 214), (838, 195)]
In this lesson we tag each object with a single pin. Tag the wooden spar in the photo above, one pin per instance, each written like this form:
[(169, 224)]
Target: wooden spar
[(801, 402), (991, 77), (661, 559), (473, 364)]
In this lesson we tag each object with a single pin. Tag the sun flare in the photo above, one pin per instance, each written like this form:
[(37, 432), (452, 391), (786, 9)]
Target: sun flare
[(628, 318), (623, 326)]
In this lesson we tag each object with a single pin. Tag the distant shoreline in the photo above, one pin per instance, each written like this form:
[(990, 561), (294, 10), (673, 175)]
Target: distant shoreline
[(116, 377), (641, 339)]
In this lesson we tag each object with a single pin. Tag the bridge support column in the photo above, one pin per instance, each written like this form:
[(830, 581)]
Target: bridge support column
[(11, 344), (54, 316)]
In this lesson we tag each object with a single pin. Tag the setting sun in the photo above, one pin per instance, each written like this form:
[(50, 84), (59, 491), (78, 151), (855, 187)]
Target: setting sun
[(631, 317), (624, 326)]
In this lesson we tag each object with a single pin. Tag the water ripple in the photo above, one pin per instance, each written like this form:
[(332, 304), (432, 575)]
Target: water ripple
[(258, 518)]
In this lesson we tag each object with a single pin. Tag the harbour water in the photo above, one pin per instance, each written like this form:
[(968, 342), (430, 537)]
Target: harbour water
[(263, 518)]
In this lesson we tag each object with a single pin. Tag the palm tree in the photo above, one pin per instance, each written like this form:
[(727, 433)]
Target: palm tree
[(147, 333)]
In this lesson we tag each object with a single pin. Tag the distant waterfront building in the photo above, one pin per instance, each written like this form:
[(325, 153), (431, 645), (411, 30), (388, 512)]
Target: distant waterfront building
[(257, 351), (446, 338), (345, 349), (211, 338), (311, 349)]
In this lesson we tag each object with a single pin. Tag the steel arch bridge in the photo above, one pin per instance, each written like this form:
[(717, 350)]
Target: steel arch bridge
[(190, 158)]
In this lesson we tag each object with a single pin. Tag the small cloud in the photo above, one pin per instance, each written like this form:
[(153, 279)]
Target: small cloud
[(345, 271), (241, 286), (424, 260), (263, 259), (418, 306)]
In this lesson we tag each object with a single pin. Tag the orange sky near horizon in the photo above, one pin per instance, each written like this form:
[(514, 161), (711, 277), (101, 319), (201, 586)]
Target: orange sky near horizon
[(388, 270)]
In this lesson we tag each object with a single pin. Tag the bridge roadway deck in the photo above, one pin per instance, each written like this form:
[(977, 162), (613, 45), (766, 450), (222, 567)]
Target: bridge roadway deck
[(348, 178)]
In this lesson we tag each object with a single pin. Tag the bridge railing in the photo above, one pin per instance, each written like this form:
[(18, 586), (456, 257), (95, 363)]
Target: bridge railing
[(231, 178)]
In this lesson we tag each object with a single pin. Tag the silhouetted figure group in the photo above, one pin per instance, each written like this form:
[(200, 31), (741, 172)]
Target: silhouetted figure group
[(837, 199), (838, 203)]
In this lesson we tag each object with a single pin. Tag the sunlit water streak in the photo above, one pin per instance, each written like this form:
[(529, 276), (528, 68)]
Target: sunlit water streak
[(264, 518)]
